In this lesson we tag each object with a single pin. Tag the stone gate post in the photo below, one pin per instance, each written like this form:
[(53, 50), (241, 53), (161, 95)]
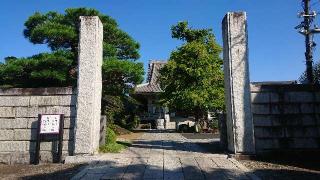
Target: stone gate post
[(237, 84), (89, 88)]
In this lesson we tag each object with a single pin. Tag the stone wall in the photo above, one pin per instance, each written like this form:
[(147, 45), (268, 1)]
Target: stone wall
[(19, 109), (286, 117)]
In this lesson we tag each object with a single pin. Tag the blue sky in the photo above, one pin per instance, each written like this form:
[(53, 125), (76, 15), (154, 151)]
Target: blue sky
[(276, 49)]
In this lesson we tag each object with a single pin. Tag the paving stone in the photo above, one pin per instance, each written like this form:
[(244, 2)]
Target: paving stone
[(136, 169), (91, 176), (210, 169), (230, 170), (162, 156), (154, 168), (116, 172), (172, 168), (191, 169)]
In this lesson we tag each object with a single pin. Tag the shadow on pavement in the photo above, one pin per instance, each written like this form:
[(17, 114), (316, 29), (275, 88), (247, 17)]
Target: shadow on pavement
[(61, 174), (140, 170)]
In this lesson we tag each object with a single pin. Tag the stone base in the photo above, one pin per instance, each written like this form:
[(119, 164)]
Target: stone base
[(28, 158)]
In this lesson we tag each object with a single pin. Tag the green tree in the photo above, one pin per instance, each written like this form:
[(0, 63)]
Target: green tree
[(58, 68), (42, 70), (192, 79), (61, 32), (316, 74), (119, 79), (121, 76)]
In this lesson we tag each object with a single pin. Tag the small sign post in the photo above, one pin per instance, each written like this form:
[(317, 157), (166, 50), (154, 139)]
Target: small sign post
[(50, 127)]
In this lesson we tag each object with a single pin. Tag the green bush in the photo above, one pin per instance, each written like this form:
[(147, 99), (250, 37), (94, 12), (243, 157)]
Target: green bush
[(213, 124), (112, 146), (134, 123), (121, 110), (111, 136)]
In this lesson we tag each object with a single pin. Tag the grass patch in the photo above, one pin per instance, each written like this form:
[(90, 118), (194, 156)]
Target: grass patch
[(112, 145), (115, 147)]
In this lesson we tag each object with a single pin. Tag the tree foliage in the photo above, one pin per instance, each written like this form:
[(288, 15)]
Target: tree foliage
[(61, 32), (42, 70), (119, 77), (193, 78), (316, 74)]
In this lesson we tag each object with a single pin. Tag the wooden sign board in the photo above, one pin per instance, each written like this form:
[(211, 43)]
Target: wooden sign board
[(50, 126)]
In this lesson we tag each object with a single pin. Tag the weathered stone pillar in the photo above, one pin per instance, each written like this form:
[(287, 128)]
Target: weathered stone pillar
[(89, 85), (237, 84)]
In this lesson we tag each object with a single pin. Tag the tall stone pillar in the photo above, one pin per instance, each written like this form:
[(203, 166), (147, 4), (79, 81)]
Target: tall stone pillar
[(237, 84), (89, 85)]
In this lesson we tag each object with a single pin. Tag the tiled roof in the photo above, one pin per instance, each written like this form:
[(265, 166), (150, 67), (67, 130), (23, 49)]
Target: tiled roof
[(152, 86)]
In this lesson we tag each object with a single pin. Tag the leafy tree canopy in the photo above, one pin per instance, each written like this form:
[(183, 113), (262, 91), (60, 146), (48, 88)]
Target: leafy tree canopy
[(60, 32), (119, 77), (316, 75), (42, 70), (193, 78)]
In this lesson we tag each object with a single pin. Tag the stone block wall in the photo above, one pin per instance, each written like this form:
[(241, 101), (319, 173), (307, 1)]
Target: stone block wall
[(19, 109), (286, 117)]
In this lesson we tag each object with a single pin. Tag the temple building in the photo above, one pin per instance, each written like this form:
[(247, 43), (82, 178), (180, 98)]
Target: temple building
[(147, 95)]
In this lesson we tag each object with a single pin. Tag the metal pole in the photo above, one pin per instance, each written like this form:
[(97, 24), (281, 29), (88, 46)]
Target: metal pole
[(308, 41)]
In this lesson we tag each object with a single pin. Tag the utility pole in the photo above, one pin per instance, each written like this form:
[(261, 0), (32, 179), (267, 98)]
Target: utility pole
[(309, 42), (307, 31)]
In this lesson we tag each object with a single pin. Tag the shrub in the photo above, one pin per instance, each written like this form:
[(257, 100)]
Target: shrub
[(121, 110), (112, 146), (111, 136), (134, 123), (213, 124)]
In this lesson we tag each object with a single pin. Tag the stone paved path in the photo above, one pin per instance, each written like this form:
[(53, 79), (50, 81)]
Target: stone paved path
[(164, 156)]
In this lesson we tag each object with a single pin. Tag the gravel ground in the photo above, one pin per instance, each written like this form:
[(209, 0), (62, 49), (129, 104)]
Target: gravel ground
[(42, 171), (276, 169)]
